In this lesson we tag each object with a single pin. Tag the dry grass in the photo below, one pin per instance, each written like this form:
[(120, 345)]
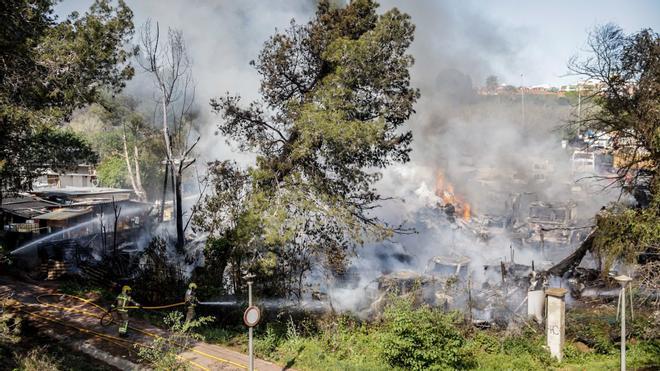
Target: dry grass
[(37, 359)]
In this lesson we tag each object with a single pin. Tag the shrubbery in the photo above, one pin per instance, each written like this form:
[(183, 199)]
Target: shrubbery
[(485, 343), (416, 338), (163, 353), (595, 330), (422, 339)]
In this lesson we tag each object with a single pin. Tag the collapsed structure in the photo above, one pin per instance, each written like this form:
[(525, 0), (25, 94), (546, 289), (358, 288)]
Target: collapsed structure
[(54, 231), (498, 234)]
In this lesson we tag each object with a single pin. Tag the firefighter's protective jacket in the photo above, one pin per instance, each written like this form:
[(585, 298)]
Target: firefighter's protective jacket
[(191, 297), (123, 301)]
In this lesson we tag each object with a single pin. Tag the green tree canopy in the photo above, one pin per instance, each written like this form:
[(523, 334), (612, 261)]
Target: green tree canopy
[(48, 69), (336, 93), (116, 129), (626, 68)]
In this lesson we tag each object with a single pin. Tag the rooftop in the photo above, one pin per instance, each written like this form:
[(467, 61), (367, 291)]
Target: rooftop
[(26, 206), (80, 191), (64, 214)]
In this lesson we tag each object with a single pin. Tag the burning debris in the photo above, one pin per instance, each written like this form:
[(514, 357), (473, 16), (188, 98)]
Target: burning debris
[(452, 203), (447, 266), (550, 224)]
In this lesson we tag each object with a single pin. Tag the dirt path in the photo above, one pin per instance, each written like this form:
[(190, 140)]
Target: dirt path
[(73, 321)]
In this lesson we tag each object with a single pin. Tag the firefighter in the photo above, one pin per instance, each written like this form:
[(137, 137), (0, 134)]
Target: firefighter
[(123, 301), (191, 301)]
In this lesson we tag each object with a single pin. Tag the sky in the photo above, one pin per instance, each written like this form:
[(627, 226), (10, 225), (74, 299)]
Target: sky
[(506, 38), (542, 35), (550, 32)]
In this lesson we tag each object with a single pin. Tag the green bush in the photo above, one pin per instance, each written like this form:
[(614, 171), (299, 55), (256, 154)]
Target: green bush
[(529, 343), (485, 342), (592, 329), (163, 353), (112, 172), (269, 341), (219, 334), (646, 327), (421, 339), (572, 354)]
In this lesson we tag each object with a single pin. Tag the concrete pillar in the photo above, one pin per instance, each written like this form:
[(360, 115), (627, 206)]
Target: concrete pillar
[(535, 305), (556, 321)]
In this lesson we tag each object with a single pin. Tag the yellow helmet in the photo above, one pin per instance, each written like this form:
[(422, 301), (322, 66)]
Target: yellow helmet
[(126, 289), (192, 285)]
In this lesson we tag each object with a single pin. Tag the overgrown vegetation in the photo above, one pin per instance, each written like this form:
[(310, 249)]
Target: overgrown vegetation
[(38, 359), (158, 270), (625, 108), (129, 148), (49, 68), (21, 348), (163, 353), (335, 97), (423, 338), (625, 233)]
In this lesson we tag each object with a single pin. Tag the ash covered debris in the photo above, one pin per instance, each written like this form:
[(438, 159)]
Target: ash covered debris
[(482, 264)]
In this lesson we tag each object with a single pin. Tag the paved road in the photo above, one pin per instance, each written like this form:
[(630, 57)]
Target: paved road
[(69, 319)]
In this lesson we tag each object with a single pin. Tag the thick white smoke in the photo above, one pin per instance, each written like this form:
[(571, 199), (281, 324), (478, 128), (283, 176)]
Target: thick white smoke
[(481, 145)]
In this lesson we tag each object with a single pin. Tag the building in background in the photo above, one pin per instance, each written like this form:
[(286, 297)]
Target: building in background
[(83, 175)]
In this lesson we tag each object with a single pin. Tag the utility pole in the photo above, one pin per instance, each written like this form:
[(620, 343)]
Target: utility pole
[(522, 94), (579, 102), (470, 296), (579, 108)]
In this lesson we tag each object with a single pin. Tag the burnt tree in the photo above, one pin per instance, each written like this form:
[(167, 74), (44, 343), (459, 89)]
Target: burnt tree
[(170, 66)]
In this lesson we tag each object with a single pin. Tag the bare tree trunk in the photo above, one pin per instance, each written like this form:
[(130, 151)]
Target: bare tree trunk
[(179, 212), (128, 163), (138, 176), (136, 182), (171, 70), (575, 258), (176, 180), (162, 201), (117, 212), (166, 130)]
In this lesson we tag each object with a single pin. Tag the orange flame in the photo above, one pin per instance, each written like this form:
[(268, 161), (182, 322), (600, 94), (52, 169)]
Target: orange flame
[(445, 191)]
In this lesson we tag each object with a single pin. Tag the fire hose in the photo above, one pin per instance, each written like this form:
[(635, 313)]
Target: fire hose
[(105, 319), (113, 338)]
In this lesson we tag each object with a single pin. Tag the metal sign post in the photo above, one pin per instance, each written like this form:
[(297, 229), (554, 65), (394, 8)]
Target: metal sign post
[(250, 343), (623, 281), (251, 318)]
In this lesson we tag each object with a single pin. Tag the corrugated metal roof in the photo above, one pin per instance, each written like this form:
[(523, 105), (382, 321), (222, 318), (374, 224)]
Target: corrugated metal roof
[(64, 214), (80, 191), (26, 206)]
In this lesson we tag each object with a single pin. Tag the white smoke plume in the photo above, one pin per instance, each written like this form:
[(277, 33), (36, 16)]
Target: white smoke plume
[(481, 146)]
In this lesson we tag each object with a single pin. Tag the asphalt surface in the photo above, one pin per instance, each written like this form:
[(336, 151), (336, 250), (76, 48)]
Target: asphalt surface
[(78, 322)]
